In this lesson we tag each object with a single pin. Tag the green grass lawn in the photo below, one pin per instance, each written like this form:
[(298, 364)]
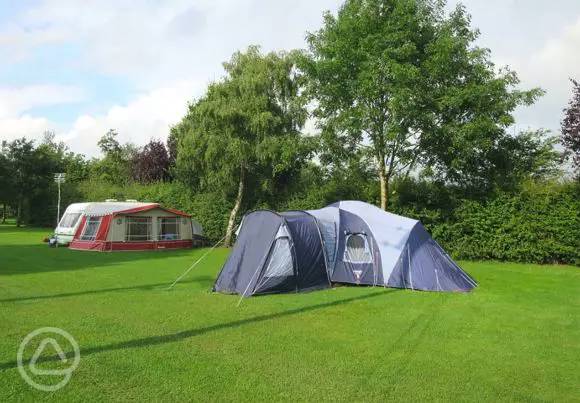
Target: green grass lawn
[(516, 337)]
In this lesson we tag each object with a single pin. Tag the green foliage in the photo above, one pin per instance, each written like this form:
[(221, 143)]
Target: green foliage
[(26, 173), (246, 126), (116, 165), (570, 127), (317, 187), (541, 225), (242, 137), (402, 83)]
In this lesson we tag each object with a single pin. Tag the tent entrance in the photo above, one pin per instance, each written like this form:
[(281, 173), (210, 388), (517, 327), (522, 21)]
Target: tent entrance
[(275, 253), (278, 273)]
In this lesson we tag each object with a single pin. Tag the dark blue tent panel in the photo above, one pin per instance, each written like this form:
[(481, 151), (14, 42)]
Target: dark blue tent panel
[(424, 265), (253, 243), (275, 253), (309, 251)]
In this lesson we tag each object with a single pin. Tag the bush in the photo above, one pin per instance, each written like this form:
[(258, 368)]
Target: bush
[(539, 225)]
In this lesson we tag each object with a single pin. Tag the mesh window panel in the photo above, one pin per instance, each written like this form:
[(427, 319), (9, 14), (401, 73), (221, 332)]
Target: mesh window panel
[(357, 249)]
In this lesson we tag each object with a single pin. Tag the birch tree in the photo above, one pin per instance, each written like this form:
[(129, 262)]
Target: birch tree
[(244, 131)]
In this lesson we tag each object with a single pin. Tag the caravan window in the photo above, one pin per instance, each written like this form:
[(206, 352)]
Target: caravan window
[(357, 249), (168, 228), (90, 230), (69, 220), (138, 229)]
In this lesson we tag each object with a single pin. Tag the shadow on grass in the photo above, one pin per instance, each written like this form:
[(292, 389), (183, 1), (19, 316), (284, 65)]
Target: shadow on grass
[(186, 334), (202, 280), (27, 259)]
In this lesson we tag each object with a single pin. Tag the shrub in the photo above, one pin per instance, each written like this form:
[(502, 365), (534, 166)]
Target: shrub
[(540, 225)]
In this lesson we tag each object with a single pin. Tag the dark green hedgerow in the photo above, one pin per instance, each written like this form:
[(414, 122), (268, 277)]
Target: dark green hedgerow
[(539, 225)]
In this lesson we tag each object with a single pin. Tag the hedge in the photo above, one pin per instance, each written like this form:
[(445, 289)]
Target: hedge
[(538, 225)]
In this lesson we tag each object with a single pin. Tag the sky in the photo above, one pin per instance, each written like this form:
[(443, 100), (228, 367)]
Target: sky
[(80, 68)]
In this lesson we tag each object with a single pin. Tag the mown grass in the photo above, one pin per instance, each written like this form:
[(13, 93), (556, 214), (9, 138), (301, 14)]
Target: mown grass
[(516, 337)]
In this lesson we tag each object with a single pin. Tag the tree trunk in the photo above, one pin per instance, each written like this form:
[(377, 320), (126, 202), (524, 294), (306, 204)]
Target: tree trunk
[(4, 213), (236, 209), (19, 212), (384, 180)]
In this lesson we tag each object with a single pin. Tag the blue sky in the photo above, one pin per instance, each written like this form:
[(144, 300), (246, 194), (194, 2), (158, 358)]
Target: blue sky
[(80, 68)]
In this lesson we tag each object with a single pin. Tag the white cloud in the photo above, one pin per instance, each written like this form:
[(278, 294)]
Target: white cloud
[(155, 43), (16, 41), (149, 116), (15, 100), (161, 49), (538, 40), (23, 126), (550, 67), (559, 57)]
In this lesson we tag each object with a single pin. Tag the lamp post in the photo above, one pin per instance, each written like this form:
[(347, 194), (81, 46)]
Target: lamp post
[(58, 178)]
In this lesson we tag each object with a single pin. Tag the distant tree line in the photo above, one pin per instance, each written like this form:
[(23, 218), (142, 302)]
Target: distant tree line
[(409, 114)]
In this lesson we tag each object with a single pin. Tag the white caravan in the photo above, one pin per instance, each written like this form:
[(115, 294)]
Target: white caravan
[(69, 223)]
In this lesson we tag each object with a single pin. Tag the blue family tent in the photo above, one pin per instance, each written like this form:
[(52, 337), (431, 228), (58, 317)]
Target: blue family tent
[(346, 242)]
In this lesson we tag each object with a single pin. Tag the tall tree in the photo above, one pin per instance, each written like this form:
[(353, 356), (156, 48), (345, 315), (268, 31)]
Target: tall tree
[(245, 130), (401, 83), (571, 127), (151, 164), (22, 158), (116, 166), (26, 177), (7, 189), (109, 143), (172, 147)]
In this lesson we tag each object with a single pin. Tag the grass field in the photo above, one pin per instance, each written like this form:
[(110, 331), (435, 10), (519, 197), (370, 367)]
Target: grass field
[(516, 337)]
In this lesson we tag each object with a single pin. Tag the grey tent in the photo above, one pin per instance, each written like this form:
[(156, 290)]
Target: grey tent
[(366, 245), (346, 242), (275, 253)]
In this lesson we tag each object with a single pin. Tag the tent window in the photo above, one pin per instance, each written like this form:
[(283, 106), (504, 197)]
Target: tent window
[(138, 229), (280, 264), (69, 220), (168, 228), (90, 230), (357, 249)]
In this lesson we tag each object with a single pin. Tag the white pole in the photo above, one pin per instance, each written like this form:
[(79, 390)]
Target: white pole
[(57, 214), (58, 178)]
